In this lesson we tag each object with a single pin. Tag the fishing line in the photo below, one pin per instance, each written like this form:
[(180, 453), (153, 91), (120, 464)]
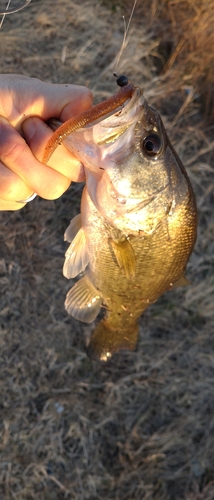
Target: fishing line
[(8, 4), (12, 10), (126, 30)]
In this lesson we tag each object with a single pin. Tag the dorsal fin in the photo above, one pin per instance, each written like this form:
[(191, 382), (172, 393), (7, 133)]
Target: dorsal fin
[(181, 281)]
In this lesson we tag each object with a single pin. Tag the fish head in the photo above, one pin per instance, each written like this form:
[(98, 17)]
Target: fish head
[(133, 175)]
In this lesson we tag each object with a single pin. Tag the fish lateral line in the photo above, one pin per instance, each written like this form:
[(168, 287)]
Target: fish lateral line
[(88, 116)]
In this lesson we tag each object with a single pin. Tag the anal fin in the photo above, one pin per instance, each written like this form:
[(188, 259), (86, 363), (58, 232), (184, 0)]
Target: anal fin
[(125, 256), (76, 257), (83, 301)]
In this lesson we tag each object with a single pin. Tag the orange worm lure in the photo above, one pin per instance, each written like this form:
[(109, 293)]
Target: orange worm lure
[(103, 108)]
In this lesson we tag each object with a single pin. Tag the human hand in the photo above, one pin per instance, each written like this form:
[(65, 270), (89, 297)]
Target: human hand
[(25, 105)]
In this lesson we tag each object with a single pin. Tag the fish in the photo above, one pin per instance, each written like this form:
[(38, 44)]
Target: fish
[(137, 225)]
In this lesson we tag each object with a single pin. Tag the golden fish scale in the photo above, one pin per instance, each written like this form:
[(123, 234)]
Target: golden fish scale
[(160, 260)]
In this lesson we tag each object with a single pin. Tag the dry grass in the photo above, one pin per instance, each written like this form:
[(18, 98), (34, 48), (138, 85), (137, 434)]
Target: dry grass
[(140, 426), (184, 34)]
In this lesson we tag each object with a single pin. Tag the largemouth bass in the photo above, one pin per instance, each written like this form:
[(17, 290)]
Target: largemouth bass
[(137, 226)]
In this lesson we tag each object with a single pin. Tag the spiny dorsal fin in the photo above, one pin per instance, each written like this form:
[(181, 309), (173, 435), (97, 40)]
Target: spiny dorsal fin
[(125, 256), (83, 301), (181, 281), (76, 257), (73, 228)]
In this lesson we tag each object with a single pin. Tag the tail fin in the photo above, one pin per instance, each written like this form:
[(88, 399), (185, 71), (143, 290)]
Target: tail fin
[(105, 341)]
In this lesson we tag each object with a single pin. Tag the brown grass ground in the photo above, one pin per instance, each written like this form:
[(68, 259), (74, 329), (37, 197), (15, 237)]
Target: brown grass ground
[(142, 425)]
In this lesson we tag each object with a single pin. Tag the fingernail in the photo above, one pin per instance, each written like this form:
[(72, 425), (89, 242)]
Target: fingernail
[(29, 128)]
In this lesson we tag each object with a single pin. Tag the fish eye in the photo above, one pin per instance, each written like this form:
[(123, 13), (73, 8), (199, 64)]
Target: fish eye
[(152, 144)]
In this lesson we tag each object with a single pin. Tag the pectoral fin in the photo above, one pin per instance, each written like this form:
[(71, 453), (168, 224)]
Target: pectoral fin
[(83, 301), (125, 256), (105, 341), (76, 257)]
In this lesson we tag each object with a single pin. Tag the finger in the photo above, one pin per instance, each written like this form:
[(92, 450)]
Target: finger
[(32, 97), (12, 187), (81, 100), (10, 205), (16, 155), (37, 133), (63, 101)]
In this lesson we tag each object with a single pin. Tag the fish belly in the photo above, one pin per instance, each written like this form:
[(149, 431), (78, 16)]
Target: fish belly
[(160, 261)]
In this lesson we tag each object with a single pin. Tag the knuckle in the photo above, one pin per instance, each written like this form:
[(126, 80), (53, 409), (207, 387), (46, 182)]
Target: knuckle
[(11, 152)]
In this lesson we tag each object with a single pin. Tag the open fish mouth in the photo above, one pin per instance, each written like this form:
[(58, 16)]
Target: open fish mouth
[(97, 142), (109, 149), (107, 126)]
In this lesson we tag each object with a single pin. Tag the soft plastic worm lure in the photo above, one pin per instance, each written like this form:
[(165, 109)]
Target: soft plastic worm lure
[(126, 91)]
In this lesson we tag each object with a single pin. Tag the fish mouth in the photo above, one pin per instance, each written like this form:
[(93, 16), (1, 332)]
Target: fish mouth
[(97, 142), (102, 147)]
